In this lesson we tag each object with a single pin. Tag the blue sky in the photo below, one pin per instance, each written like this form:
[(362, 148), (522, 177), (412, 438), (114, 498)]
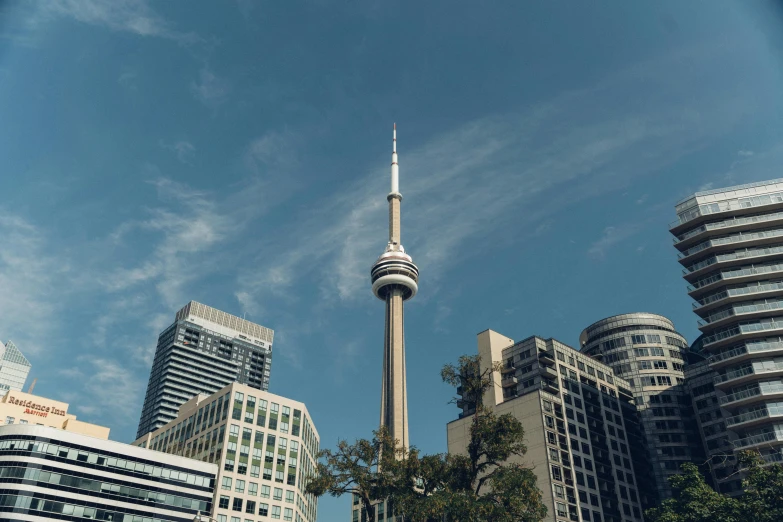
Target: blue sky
[(237, 153)]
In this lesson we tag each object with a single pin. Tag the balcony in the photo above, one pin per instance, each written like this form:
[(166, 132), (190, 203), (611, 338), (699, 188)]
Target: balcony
[(745, 351), (508, 367), (747, 373), (721, 337), (728, 295), (732, 258), (735, 223), (740, 205), (548, 371), (757, 440), (744, 397), (755, 237), (544, 355), (508, 381), (717, 318), (754, 417)]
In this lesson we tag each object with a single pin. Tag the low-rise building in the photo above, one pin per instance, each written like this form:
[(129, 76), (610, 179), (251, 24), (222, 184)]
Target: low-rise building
[(580, 423), (24, 408), (48, 473), (264, 445)]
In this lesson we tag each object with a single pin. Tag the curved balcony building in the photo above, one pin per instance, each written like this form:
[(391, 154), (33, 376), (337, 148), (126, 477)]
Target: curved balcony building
[(731, 248), (647, 351)]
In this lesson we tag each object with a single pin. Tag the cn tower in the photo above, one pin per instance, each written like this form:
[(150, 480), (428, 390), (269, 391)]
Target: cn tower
[(394, 280)]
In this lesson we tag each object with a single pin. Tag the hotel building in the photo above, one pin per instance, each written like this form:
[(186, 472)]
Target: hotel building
[(647, 351), (23, 408), (582, 429), (730, 244), (264, 445), (203, 351)]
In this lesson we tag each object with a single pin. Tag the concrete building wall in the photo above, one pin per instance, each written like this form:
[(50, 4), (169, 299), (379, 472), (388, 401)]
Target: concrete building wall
[(577, 418)]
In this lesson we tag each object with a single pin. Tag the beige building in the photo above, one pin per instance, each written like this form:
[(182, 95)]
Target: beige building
[(580, 425), (23, 408), (265, 447)]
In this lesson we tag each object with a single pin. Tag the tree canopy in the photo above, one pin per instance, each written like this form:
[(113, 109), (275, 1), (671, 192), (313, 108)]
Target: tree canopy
[(695, 501), (478, 485)]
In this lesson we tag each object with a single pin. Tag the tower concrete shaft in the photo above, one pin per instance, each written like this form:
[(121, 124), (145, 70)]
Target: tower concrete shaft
[(394, 280)]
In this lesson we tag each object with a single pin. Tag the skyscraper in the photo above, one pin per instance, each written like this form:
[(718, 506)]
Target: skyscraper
[(203, 351), (731, 247), (647, 351), (394, 280), (14, 368)]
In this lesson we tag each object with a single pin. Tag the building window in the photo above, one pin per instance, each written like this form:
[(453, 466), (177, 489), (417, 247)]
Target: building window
[(264, 491), (237, 506), (289, 497), (240, 486), (263, 509), (227, 483), (276, 512), (9, 420), (278, 494), (288, 514), (250, 507), (562, 511), (223, 503)]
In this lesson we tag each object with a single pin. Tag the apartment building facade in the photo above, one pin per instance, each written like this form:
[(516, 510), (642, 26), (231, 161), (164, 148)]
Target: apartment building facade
[(581, 428)]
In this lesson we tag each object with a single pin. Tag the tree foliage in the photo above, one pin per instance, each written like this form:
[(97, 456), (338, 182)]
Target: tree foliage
[(695, 501), (479, 485)]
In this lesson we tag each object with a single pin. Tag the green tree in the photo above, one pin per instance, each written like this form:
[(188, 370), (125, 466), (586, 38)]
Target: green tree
[(480, 485), (695, 501), (763, 486)]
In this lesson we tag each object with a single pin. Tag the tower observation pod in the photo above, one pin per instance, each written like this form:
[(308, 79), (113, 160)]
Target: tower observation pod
[(394, 279)]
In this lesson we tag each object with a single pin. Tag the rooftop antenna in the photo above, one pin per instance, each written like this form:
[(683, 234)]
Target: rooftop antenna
[(30, 390)]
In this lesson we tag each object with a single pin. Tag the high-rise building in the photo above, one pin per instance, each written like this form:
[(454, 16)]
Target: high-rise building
[(394, 280), (647, 351), (582, 429), (264, 445), (203, 351), (14, 368), (53, 474), (730, 244)]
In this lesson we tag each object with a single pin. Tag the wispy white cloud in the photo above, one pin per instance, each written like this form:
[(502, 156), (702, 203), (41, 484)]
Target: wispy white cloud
[(132, 16), (193, 224), (184, 150), (210, 89), (30, 275), (745, 153), (611, 237)]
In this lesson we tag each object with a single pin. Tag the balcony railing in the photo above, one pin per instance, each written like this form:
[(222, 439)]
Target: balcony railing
[(733, 222), (734, 374), (723, 206), (774, 411), (734, 292), (741, 310), (741, 329), (755, 440), (730, 256), (728, 240), (746, 348), (764, 389)]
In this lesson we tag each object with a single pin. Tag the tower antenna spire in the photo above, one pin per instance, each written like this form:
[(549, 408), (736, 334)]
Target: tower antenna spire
[(395, 279), (395, 169)]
